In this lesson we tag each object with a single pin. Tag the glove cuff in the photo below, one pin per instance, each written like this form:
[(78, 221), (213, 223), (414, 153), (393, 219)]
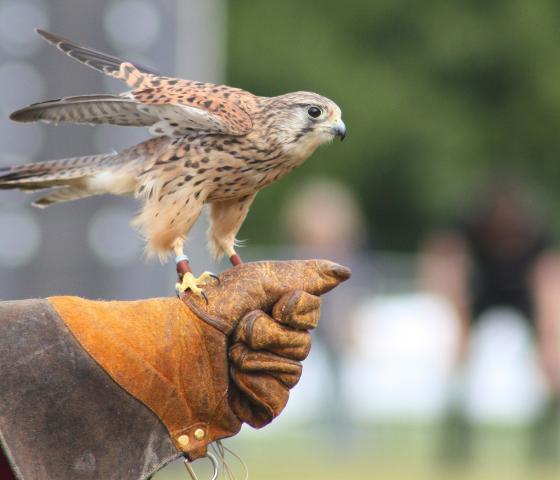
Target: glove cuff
[(161, 353)]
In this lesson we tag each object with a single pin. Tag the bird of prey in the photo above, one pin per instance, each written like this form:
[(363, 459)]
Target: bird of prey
[(212, 144)]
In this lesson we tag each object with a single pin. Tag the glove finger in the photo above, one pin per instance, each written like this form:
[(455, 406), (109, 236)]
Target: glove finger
[(260, 332), (250, 361), (298, 309), (258, 399), (259, 285)]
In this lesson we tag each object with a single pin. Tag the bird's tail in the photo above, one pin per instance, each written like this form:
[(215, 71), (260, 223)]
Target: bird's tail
[(67, 178), (61, 194), (72, 178)]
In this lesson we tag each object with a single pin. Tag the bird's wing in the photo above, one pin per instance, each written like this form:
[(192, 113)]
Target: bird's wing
[(186, 104), (92, 58), (170, 106), (87, 109)]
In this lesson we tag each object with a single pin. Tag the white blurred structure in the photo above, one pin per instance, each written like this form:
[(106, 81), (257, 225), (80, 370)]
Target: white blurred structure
[(402, 361), (503, 382)]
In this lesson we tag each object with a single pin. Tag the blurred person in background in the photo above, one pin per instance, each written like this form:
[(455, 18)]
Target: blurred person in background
[(323, 220), (500, 255)]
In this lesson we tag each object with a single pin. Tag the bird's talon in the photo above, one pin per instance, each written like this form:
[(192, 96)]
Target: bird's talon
[(206, 275), (203, 293), (189, 282)]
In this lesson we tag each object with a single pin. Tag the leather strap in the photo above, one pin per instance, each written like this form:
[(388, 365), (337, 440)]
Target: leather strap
[(218, 323)]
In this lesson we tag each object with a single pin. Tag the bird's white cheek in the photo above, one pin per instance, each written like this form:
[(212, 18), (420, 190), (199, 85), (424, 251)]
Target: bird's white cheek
[(326, 136), (320, 137)]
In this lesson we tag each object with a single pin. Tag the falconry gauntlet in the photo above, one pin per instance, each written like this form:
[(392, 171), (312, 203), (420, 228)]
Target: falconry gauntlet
[(94, 389)]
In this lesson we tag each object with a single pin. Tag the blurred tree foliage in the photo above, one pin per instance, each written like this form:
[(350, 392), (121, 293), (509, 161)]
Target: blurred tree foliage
[(434, 94)]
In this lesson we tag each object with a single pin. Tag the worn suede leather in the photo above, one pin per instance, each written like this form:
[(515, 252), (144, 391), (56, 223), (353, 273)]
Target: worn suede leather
[(260, 285), (163, 355), (260, 332), (203, 369), (61, 416)]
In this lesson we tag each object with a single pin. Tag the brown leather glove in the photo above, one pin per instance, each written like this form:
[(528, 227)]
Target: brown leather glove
[(203, 369), (266, 356)]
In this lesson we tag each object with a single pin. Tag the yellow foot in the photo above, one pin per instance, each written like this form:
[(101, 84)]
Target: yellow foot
[(193, 284)]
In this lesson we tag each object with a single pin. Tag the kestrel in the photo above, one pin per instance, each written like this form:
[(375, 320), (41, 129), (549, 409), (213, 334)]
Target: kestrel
[(213, 144)]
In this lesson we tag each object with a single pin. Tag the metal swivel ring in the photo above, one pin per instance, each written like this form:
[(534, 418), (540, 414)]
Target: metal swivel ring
[(215, 466)]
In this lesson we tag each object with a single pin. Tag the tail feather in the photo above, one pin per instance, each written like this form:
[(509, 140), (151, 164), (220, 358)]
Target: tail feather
[(41, 175), (66, 179), (78, 177), (61, 194), (92, 58)]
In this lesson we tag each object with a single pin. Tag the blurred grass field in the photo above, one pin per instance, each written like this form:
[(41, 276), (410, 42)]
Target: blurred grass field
[(384, 452)]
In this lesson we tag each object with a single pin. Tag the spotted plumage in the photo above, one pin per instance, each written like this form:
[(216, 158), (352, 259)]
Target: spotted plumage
[(213, 144)]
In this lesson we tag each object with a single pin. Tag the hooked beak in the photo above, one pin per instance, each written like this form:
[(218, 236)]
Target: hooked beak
[(339, 129)]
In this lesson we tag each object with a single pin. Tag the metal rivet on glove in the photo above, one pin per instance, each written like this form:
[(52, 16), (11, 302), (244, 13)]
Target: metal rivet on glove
[(183, 440), (199, 434)]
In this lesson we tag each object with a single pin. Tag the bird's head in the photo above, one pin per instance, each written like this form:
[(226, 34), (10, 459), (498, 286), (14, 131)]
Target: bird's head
[(302, 121)]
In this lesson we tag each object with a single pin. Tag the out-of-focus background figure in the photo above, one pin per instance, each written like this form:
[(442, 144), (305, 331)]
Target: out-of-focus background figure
[(499, 254), (435, 94), (323, 219)]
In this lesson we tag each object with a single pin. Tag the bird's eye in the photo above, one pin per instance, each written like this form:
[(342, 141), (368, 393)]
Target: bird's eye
[(314, 112)]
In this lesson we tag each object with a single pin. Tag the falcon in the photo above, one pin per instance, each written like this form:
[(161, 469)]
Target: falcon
[(212, 144)]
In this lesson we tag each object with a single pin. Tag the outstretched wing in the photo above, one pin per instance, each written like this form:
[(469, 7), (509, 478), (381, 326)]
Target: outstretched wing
[(87, 109), (170, 106), (92, 58)]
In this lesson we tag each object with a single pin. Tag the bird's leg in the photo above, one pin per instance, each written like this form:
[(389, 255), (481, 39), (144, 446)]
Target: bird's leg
[(187, 281), (183, 265), (235, 259), (226, 218)]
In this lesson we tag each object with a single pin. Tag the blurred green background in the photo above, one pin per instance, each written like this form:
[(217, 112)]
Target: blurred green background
[(434, 93)]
